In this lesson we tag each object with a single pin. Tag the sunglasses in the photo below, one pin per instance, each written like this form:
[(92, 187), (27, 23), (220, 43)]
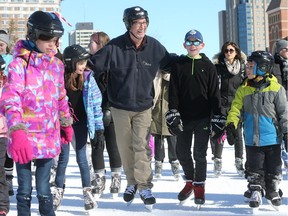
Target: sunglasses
[(229, 50), (190, 43)]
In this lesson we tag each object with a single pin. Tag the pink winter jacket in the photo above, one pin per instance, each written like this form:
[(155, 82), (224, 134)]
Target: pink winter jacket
[(34, 99)]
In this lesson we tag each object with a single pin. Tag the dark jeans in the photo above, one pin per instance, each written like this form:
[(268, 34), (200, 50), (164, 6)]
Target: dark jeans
[(112, 149), (160, 148), (201, 130), (42, 176), (63, 160), (4, 197)]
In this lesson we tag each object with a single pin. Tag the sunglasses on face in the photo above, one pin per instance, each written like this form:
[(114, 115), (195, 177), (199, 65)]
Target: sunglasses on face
[(229, 50), (190, 43)]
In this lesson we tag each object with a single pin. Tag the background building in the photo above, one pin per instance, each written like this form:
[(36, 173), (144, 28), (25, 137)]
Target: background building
[(14, 14)]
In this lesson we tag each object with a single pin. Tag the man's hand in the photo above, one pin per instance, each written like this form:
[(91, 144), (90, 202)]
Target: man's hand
[(173, 121), (231, 133)]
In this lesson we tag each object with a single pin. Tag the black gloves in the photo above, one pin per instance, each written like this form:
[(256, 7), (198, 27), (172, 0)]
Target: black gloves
[(173, 121), (107, 117), (99, 140), (231, 133), (217, 126), (285, 141)]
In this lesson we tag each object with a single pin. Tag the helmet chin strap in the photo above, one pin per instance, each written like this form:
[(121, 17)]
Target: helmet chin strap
[(134, 35)]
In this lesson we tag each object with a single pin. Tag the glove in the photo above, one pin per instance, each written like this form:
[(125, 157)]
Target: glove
[(99, 140), (285, 141), (66, 134), (21, 149), (217, 126), (107, 117), (231, 133), (173, 121)]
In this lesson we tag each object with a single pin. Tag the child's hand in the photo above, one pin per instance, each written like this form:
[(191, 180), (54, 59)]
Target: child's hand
[(231, 133)]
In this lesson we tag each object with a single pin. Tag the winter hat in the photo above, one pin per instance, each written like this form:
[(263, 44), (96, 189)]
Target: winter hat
[(194, 34), (5, 38), (281, 44)]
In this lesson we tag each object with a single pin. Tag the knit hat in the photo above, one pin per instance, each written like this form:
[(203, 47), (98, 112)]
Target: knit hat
[(194, 34), (5, 38), (281, 44)]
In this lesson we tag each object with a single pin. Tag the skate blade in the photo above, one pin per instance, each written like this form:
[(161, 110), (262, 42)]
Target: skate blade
[(273, 206), (255, 210), (130, 202), (217, 174), (183, 202), (114, 195), (198, 206), (149, 207)]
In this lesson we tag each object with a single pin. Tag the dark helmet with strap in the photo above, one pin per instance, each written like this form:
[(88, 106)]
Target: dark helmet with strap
[(73, 54), (133, 13), (45, 24), (264, 62)]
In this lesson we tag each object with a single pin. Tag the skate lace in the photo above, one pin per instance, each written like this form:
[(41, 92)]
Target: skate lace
[(57, 196), (256, 197), (116, 182), (130, 189), (99, 182), (146, 193)]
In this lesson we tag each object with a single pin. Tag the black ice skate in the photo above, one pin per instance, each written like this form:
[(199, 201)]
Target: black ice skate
[(274, 199), (199, 194), (115, 185), (147, 198), (256, 196), (129, 194)]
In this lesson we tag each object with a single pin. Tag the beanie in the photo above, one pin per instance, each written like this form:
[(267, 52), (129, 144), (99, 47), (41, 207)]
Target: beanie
[(5, 38), (281, 44)]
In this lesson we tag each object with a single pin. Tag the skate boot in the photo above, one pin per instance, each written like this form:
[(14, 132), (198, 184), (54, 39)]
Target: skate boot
[(89, 201), (256, 196), (92, 174), (147, 198), (175, 169), (274, 199), (217, 167), (98, 185), (115, 184), (199, 193), (129, 194), (186, 192), (57, 194), (239, 167), (9, 180), (53, 175), (158, 169)]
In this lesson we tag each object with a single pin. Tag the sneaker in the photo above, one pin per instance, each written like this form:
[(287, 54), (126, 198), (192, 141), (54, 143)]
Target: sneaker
[(199, 192), (239, 167), (3, 213), (89, 202), (186, 192), (175, 169), (158, 169), (98, 184), (115, 183), (256, 196), (9, 181), (147, 196), (129, 193), (57, 194), (217, 166)]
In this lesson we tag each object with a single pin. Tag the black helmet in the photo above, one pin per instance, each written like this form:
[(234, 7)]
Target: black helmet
[(133, 13), (264, 61), (2, 63), (73, 54), (44, 23)]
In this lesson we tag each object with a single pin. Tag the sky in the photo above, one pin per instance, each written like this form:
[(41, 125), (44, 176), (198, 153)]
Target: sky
[(169, 20), (224, 195)]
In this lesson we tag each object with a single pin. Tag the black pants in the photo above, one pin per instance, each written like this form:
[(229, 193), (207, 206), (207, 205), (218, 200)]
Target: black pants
[(201, 130), (160, 148), (112, 149)]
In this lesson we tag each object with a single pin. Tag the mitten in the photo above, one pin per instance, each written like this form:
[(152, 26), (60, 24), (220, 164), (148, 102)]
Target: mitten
[(285, 141), (217, 126), (99, 140), (174, 122), (66, 134), (107, 117), (231, 133), (21, 149)]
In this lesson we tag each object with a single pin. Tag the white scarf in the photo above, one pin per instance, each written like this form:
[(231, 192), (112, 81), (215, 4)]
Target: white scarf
[(233, 68)]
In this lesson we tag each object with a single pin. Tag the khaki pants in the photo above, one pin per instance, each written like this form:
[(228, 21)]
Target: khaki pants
[(132, 135)]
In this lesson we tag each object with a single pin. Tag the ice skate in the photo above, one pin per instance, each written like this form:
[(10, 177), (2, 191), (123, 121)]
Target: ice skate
[(217, 167), (147, 198), (158, 169), (239, 167), (57, 194), (115, 185), (186, 192), (129, 194), (175, 169), (9, 181), (274, 199), (199, 194), (89, 201), (256, 196), (53, 175), (98, 185)]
